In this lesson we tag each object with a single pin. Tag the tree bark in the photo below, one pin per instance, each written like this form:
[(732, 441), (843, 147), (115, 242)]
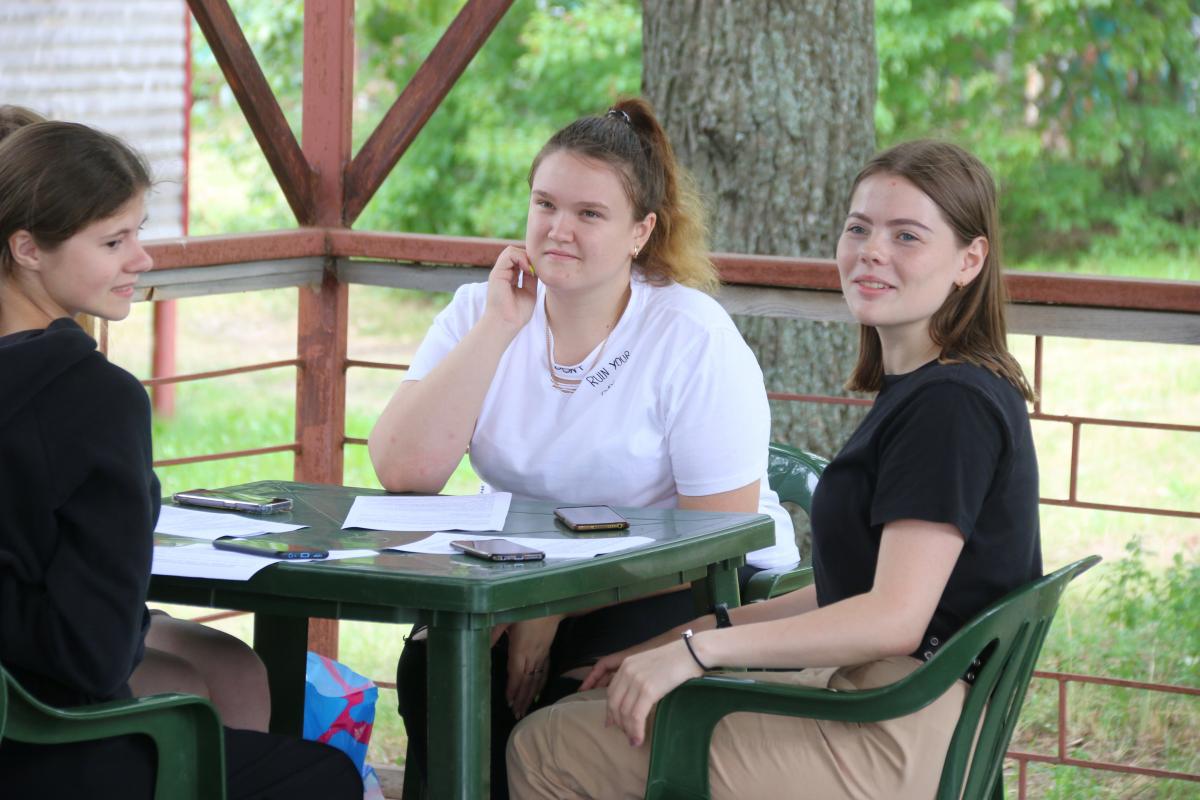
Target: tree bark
[(770, 105)]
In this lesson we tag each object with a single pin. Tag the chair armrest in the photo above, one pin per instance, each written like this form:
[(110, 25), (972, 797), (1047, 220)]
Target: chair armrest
[(768, 583), (686, 718), (185, 729)]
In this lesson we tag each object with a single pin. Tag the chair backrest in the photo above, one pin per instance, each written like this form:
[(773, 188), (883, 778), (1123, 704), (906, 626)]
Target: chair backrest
[(1009, 635), (3, 700), (185, 729), (793, 474)]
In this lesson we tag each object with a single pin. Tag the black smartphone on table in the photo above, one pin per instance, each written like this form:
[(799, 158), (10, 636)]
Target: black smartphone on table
[(268, 549), (233, 501), (591, 518), (498, 550)]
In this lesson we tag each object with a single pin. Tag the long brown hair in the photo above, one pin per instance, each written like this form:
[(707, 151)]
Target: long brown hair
[(630, 139), (14, 117), (970, 324), (56, 178)]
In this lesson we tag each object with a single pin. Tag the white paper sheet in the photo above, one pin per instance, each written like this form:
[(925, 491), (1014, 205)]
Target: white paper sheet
[(205, 561), (439, 544), (477, 512), (210, 525)]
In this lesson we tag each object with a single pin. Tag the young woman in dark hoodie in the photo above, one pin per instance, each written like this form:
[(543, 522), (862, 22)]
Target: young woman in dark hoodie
[(180, 655), (78, 497)]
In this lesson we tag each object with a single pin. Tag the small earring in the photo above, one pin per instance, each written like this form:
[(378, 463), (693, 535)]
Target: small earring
[(636, 250)]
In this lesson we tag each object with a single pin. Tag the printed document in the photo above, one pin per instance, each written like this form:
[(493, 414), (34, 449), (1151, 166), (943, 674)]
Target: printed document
[(478, 512), (205, 561), (210, 525), (439, 544)]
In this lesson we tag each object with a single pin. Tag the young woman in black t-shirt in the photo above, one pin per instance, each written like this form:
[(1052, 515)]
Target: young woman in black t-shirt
[(928, 514)]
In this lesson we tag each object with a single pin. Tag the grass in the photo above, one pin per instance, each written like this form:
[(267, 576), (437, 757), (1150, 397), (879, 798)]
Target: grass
[(1173, 266), (1135, 616)]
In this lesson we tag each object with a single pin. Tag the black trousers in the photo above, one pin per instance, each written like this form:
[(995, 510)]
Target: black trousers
[(258, 766), (580, 641)]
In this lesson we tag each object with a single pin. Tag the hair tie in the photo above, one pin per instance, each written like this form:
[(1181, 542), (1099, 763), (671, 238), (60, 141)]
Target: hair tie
[(619, 114)]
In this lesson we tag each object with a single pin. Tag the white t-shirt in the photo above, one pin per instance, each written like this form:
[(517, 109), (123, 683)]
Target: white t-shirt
[(674, 405)]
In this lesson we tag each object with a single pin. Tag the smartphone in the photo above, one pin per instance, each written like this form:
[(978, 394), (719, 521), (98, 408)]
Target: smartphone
[(591, 518), (233, 501), (268, 549), (498, 550)]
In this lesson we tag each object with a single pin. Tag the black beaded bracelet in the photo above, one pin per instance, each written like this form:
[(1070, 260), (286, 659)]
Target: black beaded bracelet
[(687, 639)]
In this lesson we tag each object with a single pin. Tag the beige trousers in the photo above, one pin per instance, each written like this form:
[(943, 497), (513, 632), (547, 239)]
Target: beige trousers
[(565, 751)]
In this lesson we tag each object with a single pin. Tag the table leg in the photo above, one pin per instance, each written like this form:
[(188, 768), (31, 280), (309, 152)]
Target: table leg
[(282, 642), (460, 710), (721, 586)]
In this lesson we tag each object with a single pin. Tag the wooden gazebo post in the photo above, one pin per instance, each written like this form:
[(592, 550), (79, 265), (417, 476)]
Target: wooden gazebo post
[(326, 189), (322, 322)]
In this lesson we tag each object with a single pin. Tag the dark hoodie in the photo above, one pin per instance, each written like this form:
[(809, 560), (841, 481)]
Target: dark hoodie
[(78, 503)]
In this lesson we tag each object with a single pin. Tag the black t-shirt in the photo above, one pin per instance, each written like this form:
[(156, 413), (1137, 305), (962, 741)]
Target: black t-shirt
[(945, 443)]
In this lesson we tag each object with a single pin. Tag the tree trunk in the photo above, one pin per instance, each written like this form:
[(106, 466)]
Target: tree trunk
[(770, 104)]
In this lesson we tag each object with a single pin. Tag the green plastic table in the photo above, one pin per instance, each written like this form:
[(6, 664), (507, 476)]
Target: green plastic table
[(459, 597)]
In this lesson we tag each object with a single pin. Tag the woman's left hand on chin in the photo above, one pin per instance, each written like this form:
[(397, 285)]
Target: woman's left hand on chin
[(643, 680)]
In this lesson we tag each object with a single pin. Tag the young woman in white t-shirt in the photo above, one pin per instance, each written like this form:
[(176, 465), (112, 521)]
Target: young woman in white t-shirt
[(591, 368)]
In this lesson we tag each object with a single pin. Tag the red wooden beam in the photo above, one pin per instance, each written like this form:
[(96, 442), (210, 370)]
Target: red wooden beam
[(1023, 287), (749, 270), (324, 309), (321, 381), (422, 248), (811, 273), (1088, 290), (416, 104), (238, 248), (258, 103), (328, 92)]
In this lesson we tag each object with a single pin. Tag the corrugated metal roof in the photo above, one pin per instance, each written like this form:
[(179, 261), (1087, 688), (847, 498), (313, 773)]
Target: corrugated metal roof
[(115, 64)]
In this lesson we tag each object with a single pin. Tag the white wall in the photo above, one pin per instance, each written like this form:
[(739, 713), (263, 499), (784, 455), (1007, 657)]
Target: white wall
[(117, 65)]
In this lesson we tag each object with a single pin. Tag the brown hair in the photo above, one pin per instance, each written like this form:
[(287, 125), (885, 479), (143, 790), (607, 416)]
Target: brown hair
[(14, 117), (969, 326), (630, 140), (59, 177)]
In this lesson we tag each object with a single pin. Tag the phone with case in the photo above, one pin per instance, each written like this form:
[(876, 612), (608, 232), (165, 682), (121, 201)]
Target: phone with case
[(233, 501), (591, 518), (498, 550)]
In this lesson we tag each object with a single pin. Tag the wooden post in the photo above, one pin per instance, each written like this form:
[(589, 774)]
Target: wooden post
[(163, 357), (321, 338), (96, 328), (165, 313)]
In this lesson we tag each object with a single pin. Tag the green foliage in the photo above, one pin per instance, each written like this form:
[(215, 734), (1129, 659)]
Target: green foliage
[(1161, 605), (1129, 618), (1086, 110), (544, 66)]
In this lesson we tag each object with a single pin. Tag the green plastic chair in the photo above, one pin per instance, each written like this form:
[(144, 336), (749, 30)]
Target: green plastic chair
[(1012, 629), (793, 474), (185, 729)]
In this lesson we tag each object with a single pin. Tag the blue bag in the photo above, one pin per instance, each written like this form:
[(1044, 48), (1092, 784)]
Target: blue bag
[(339, 708)]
